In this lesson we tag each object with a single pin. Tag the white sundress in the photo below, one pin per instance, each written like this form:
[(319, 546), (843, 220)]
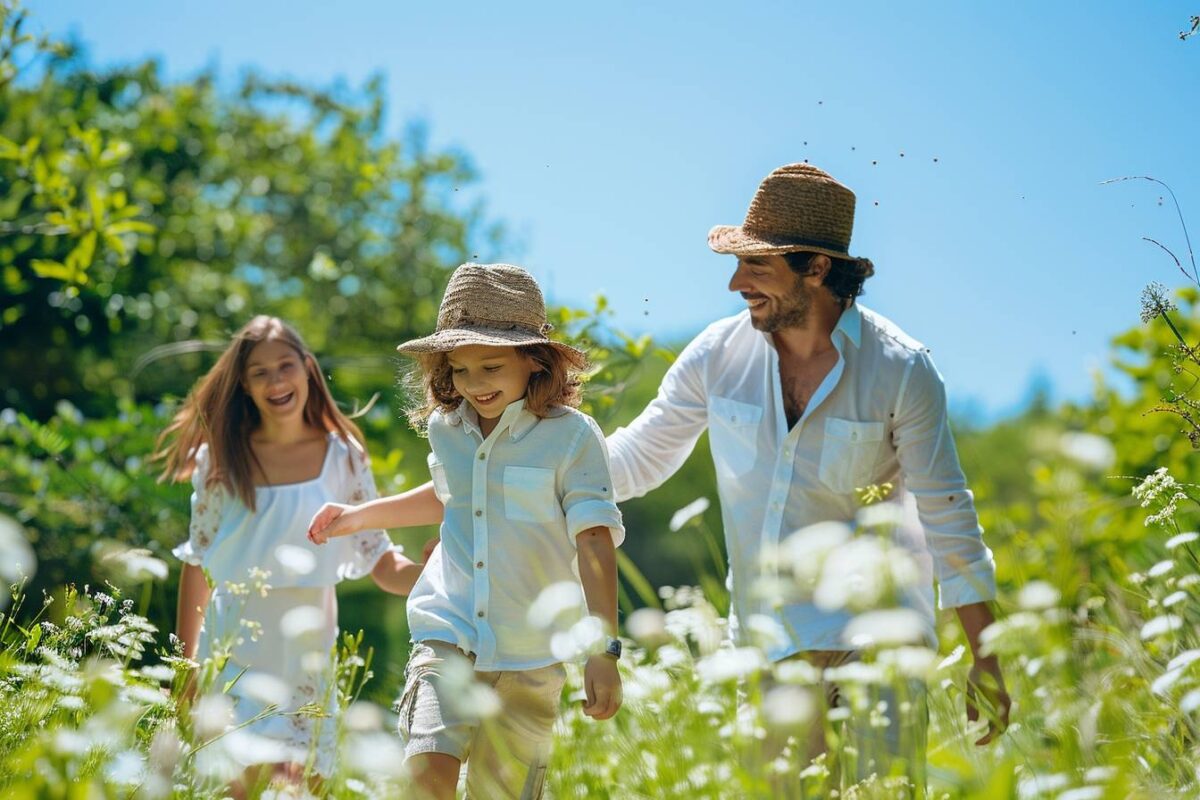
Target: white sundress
[(280, 643)]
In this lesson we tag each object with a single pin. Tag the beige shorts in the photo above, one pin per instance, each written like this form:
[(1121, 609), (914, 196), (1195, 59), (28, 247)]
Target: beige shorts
[(500, 723)]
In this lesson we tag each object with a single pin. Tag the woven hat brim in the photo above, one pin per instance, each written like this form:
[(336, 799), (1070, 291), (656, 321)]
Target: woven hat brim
[(735, 240), (448, 339)]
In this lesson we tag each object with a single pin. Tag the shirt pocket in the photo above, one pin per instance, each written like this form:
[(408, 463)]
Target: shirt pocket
[(849, 453), (441, 486), (529, 495), (733, 431)]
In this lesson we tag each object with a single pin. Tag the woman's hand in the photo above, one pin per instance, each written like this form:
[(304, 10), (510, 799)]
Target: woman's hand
[(334, 519), (602, 683)]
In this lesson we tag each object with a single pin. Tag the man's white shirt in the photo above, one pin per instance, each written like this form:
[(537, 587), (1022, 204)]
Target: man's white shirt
[(878, 417)]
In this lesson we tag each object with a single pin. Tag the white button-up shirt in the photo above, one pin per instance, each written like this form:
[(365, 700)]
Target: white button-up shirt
[(879, 416), (515, 501)]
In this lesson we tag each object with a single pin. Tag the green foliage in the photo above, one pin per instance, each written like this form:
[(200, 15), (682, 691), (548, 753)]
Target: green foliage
[(142, 219)]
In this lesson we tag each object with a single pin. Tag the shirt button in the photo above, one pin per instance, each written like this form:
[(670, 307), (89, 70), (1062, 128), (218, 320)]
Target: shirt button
[(479, 613), (482, 456), (478, 512), (479, 564)]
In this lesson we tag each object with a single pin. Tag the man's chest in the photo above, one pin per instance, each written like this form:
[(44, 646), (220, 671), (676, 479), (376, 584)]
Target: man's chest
[(799, 381)]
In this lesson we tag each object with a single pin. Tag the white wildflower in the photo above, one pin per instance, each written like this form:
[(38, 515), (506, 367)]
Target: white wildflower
[(731, 664), (1160, 626), (375, 753), (648, 626), (17, 561), (885, 628), (1089, 450), (1181, 539), (302, 621), (788, 706), (557, 605), (1037, 596), (580, 640), (295, 560), (689, 512), (211, 715)]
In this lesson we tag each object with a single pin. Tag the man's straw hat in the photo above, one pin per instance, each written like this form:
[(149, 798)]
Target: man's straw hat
[(491, 304), (796, 208)]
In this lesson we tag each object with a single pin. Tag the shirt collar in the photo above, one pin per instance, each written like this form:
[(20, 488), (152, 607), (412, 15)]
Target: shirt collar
[(516, 418), (850, 324)]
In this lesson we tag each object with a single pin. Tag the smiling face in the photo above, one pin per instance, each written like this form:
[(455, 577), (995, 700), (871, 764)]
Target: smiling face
[(276, 380), (774, 293), (490, 378)]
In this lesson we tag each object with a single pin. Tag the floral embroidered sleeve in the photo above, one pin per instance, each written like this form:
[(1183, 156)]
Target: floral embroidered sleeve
[(207, 502), (361, 550)]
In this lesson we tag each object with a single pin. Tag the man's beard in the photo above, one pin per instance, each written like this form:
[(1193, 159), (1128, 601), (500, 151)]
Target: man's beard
[(792, 312)]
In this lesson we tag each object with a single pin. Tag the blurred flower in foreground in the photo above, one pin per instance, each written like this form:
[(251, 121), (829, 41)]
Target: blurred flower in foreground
[(885, 628), (212, 714), (862, 574), (1037, 596), (1088, 449), (133, 564), (727, 665), (648, 626), (579, 641), (17, 561), (557, 605), (295, 560), (788, 706), (689, 512)]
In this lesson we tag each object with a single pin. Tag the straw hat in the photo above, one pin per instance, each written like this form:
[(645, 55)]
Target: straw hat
[(796, 208), (491, 304)]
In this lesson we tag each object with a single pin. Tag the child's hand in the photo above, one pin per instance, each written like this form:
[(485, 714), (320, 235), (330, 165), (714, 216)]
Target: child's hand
[(427, 550), (332, 520), (602, 683)]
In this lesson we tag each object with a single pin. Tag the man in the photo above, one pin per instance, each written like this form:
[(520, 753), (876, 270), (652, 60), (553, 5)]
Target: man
[(808, 396)]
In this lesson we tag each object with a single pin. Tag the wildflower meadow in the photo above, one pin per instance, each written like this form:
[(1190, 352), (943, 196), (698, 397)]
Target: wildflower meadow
[(134, 212)]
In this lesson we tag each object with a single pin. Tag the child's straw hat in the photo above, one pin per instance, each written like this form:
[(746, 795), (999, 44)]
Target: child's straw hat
[(491, 304), (796, 208)]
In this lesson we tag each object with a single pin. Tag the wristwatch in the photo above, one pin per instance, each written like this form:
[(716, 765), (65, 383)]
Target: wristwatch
[(612, 647)]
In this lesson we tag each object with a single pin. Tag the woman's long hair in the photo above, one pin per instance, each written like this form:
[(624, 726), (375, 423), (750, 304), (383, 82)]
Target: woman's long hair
[(218, 412)]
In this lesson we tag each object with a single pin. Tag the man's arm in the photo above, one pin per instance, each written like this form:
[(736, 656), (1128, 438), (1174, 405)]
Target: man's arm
[(963, 564), (654, 446), (985, 679)]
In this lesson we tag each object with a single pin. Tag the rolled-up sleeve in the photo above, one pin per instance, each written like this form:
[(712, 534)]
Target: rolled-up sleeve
[(963, 565), (587, 487), (655, 445)]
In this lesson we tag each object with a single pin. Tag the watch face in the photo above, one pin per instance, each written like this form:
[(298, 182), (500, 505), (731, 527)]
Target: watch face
[(613, 648)]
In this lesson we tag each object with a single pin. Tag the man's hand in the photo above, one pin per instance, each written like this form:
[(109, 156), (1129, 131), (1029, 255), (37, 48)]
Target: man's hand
[(985, 689), (334, 519), (602, 683)]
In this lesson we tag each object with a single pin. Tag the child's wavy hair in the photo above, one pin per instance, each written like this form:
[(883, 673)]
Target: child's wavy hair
[(218, 412), (556, 383)]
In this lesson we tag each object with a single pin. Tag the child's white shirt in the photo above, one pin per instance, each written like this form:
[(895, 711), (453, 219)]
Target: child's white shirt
[(228, 540), (514, 502)]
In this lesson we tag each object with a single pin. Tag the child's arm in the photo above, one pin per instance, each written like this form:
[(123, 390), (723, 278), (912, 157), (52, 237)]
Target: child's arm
[(395, 573), (598, 574), (419, 506)]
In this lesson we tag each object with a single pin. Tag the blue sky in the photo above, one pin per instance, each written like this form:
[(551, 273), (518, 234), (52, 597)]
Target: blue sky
[(612, 136)]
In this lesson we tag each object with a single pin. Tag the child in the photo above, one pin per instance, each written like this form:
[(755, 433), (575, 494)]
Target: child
[(265, 446), (524, 482)]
